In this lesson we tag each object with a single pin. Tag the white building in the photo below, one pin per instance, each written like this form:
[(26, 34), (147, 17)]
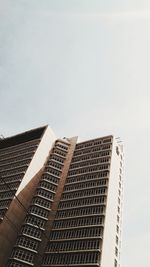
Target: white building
[(68, 206)]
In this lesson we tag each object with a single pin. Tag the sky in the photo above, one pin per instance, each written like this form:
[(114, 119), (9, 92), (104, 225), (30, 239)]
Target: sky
[(83, 67)]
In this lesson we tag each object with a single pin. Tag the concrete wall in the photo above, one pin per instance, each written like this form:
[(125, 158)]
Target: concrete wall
[(39, 157), (109, 238)]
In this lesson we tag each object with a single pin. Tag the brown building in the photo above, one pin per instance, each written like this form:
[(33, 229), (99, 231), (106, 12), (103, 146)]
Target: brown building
[(67, 212)]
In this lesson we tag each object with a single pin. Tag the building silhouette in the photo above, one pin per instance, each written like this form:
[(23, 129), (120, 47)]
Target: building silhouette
[(60, 201)]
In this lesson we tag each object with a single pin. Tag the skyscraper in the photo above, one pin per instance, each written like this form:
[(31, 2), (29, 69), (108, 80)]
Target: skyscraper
[(69, 210), (22, 158)]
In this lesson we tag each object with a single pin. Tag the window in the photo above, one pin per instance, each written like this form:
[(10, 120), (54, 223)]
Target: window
[(81, 212), (15, 165), (74, 258), (52, 179), (84, 201), (12, 178), (116, 251), (33, 220), (48, 185), (117, 150), (55, 165), (87, 176), (45, 194), (13, 171), (31, 231), (15, 158), (89, 162), (53, 171), (26, 242), (80, 193), (23, 255), (13, 186), (42, 202), (4, 203), (89, 169), (77, 222), (73, 245), (39, 211), (14, 264), (59, 152), (115, 263), (79, 233)]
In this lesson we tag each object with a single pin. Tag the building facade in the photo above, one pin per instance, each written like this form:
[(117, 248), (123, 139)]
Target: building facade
[(60, 201)]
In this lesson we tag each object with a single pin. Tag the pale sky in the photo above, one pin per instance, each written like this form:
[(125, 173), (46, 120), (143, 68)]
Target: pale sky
[(83, 67)]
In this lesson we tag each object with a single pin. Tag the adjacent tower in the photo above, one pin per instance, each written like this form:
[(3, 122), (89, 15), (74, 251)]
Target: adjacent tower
[(22, 159)]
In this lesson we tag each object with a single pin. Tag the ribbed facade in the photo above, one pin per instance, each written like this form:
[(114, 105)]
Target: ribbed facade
[(14, 162), (75, 212), (77, 234)]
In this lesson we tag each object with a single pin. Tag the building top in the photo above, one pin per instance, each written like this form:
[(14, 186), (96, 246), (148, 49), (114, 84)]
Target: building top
[(22, 137), (103, 138)]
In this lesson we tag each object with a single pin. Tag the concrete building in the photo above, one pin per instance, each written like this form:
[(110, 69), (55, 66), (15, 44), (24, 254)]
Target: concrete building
[(60, 201)]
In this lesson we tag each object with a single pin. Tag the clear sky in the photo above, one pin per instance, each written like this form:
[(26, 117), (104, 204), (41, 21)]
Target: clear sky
[(83, 67)]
